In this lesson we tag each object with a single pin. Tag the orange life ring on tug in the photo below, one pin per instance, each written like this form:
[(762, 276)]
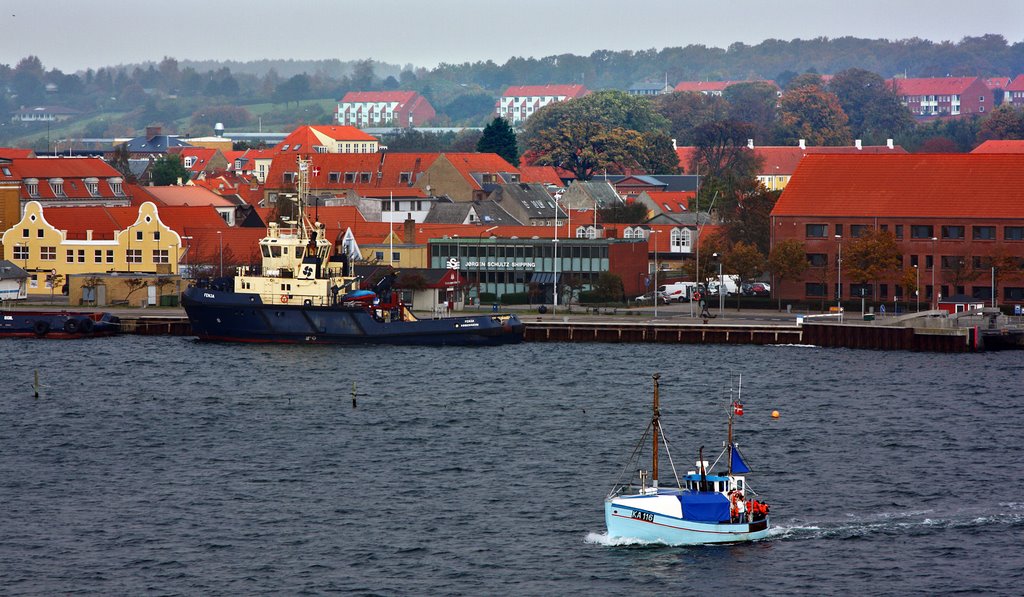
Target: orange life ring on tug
[(284, 298), (696, 296)]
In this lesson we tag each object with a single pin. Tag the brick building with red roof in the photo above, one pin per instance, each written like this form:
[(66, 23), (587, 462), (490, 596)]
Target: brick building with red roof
[(1014, 92), (519, 102), (944, 96), (384, 108), (951, 214)]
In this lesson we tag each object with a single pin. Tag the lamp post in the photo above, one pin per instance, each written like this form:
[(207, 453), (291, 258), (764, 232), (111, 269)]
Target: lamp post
[(917, 287), (185, 253), (934, 303), (479, 258), (220, 242), (839, 278)]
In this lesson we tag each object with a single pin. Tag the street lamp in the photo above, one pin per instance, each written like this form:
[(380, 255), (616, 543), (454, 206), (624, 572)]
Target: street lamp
[(839, 278), (917, 287), (934, 302), (220, 242), (479, 258)]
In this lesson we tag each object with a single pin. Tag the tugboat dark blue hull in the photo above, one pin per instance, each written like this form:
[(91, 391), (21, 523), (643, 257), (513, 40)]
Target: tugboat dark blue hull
[(217, 315)]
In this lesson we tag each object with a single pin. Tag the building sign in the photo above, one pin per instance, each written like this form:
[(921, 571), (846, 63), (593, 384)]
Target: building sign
[(502, 264), (453, 263)]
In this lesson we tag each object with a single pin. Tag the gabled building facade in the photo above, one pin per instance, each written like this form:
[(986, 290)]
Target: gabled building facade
[(944, 96), (400, 109), (519, 102), (307, 140)]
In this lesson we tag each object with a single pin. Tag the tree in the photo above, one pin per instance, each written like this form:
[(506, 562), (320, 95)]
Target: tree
[(498, 137), (168, 170), (470, 108), (753, 103), (1004, 123), (814, 115), (687, 111), (119, 161), (619, 213), (787, 261), (724, 162), (134, 284), (872, 106), (586, 148), (871, 257), (608, 288), (746, 262), (658, 155), (750, 221)]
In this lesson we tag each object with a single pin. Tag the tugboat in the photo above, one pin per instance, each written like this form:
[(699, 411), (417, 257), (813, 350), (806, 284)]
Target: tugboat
[(705, 508), (304, 294)]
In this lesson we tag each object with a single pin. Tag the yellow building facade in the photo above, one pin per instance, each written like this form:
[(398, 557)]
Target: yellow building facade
[(48, 253)]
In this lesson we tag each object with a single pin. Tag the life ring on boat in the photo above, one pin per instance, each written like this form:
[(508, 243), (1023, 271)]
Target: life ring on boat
[(308, 302), (41, 327), (284, 298), (86, 326), (71, 326)]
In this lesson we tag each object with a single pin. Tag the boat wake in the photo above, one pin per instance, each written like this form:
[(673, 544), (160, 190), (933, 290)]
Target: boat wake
[(604, 540), (897, 523)]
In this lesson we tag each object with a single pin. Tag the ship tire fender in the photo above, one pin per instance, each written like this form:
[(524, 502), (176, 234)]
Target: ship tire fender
[(71, 326), (284, 298), (41, 327), (86, 326), (308, 302)]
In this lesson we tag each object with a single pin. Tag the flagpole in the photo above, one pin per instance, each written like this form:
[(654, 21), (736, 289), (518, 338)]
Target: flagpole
[(391, 229)]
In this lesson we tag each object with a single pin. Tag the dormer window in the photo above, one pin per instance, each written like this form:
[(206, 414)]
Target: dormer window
[(32, 187), (57, 186), (92, 186), (320, 149), (115, 186), (289, 177), (189, 161), (404, 177)]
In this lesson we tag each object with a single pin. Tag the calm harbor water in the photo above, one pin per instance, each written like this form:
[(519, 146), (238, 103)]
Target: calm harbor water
[(167, 466)]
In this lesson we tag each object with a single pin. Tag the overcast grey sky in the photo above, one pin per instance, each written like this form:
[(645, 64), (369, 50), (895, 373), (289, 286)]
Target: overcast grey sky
[(77, 34)]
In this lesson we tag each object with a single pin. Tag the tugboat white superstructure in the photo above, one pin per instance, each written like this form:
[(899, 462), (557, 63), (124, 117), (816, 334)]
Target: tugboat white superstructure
[(704, 508), (304, 294)]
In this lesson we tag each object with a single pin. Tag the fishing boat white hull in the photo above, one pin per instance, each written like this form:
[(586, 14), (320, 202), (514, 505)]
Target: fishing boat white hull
[(627, 517)]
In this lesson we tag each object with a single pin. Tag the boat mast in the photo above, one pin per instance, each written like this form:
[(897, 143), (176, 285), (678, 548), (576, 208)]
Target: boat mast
[(732, 413), (655, 425)]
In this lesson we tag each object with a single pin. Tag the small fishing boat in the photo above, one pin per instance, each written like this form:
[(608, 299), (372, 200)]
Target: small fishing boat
[(702, 508)]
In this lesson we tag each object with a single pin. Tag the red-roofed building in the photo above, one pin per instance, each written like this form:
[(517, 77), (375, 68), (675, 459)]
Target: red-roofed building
[(970, 204), (712, 87), (307, 140), (944, 96), (545, 175), (1015, 92), (198, 160), (467, 176), (194, 196), (384, 108), (1000, 146), (519, 102)]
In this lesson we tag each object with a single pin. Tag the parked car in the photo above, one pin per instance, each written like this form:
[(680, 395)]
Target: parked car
[(757, 289), (649, 298)]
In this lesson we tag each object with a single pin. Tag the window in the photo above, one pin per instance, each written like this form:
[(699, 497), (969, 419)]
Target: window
[(289, 177), (861, 290), (138, 235), (71, 255), (115, 187), (1013, 233), (24, 232), (983, 232), (32, 188), (93, 187), (97, 256), (81, 256), (919, 232), (160, 256), (817, 259), (953, 232), (857, 230), (133, 256), (21, 252), (839, 229), (350, 177), (915, 261), (48, 253), (334, 177), (396, 256), (817, 230), (364, 177), (899, 230), (110, 256), (680, 239), (815, 289), (39, 233), (404, 177)]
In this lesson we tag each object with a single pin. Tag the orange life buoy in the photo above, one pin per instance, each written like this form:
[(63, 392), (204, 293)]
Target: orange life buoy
[(696, 296), (284, 298)]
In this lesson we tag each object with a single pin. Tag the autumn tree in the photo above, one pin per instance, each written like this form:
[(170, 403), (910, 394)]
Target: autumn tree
[(621, 213), (745, 262), (498, 137), (1004, 123), (658, 155), (724, 162), (872, 105), (787, 261), (750, 221), (871, 257), (586, 148), (688, 110), (814, 115), (753, 103)]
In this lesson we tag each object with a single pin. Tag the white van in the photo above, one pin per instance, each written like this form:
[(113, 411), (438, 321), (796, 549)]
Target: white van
[(678, 292), (732, 284)]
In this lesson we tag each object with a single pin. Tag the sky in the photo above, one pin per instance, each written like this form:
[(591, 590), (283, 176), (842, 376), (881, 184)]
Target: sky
[(73, 35)]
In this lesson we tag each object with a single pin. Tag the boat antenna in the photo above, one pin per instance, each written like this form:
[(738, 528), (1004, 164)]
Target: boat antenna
[(703, 471), (656, 425)]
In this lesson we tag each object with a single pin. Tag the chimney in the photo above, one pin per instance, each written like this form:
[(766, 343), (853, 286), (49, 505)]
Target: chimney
[(750, 143), (674, 146), (152, 131), (856, 143), (410, 230), (888, 143), (803, 144)]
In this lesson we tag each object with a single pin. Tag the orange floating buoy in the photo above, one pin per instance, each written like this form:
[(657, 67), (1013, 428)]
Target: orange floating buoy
[(775, 414)]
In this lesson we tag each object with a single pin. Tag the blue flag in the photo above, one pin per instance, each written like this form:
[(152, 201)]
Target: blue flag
[(738, 466)]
